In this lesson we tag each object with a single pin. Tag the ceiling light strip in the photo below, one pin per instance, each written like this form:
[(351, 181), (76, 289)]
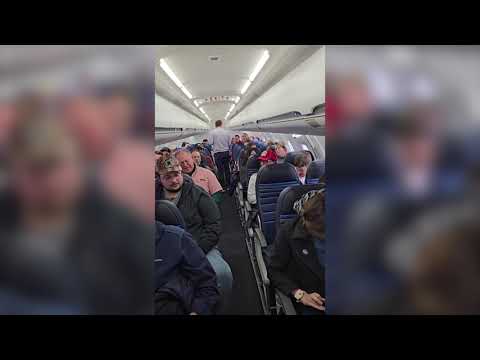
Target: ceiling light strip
[(174, 78)]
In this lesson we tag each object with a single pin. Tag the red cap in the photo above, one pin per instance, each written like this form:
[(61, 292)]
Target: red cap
[(270, 155)]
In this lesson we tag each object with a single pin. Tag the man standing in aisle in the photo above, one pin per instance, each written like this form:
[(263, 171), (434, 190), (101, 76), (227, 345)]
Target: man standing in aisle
[(219, 138)]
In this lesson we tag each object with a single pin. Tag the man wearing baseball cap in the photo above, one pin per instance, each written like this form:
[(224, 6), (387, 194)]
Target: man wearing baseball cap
[(201, 215)]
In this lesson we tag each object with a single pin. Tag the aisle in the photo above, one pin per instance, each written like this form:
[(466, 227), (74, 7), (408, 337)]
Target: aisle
[(245, 298)]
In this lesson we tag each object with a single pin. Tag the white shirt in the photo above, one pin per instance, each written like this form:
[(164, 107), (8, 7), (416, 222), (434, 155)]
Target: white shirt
[(251, 194), (220, 139)]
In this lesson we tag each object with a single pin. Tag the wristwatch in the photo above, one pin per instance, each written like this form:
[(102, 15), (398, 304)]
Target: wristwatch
[(298, 295)]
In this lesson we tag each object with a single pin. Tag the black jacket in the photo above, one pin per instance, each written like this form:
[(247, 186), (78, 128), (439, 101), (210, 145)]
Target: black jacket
[(105, 268), (183, 273), (199, 211), (294, 263)]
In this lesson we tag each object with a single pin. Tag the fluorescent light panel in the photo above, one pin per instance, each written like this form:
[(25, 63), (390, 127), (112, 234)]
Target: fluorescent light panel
[(174, 78), (260, 65), (245, 87)]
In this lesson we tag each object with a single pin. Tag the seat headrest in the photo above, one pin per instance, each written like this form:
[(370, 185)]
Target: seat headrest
[(277, 173), (253, 163), (316, 169), (167, 213), (289, 195)]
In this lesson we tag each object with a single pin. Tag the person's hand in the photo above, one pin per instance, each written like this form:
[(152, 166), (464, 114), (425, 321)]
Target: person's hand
[(313, 300), (193, 313)]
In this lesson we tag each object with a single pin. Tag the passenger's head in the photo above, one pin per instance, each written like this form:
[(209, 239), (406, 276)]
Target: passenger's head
[(267, 157), (237, 139), (245, 138), (415, 141), (170, 174), (197, 157), (301, 162), (186, 161), (185, 144), (45, 165), (218, 123), (281, 150), (313, 213)]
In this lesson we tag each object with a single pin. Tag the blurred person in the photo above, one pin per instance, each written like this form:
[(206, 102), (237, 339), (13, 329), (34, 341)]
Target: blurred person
[(63, 240), (8, 116), (203, 160), (281, 151), (185, 282), (349, 101), (301, 162), (220, 140), (206, 145), (266, 158), (197, 158), (104, 117), (200, 176), (201, 215), (413, 152), (245, 138), (297, 265), (437, 256)]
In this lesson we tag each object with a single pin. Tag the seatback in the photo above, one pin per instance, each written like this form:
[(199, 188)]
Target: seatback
[(252, 166), (271, 180), (287, 198), (167, 213), (315, 171)]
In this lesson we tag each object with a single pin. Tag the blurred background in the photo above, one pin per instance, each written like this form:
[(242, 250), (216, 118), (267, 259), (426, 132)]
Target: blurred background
[(76, 179), (403, 231)]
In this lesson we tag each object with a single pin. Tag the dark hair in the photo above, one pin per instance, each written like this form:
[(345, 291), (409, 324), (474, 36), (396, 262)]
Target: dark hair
[(205, 140), (218, 123), (314, 214), (301, 160), (449, 272)]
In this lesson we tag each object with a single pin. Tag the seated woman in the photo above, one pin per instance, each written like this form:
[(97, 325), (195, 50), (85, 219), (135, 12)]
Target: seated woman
[(297, 266), (301, 162), (185, 283)]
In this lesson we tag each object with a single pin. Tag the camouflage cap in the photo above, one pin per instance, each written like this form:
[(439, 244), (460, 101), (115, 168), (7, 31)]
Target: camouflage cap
[(168, 165)]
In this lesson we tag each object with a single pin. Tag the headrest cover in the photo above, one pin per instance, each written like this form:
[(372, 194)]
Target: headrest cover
[(167, 213), (276, 173), (316, 169)]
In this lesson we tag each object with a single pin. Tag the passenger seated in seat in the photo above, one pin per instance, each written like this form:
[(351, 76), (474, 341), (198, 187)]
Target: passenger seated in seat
[(185, 283), (281, 151), (200, 213), (201, 160), (202, 177), (297, 266), (266, 158), (301, 162)]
